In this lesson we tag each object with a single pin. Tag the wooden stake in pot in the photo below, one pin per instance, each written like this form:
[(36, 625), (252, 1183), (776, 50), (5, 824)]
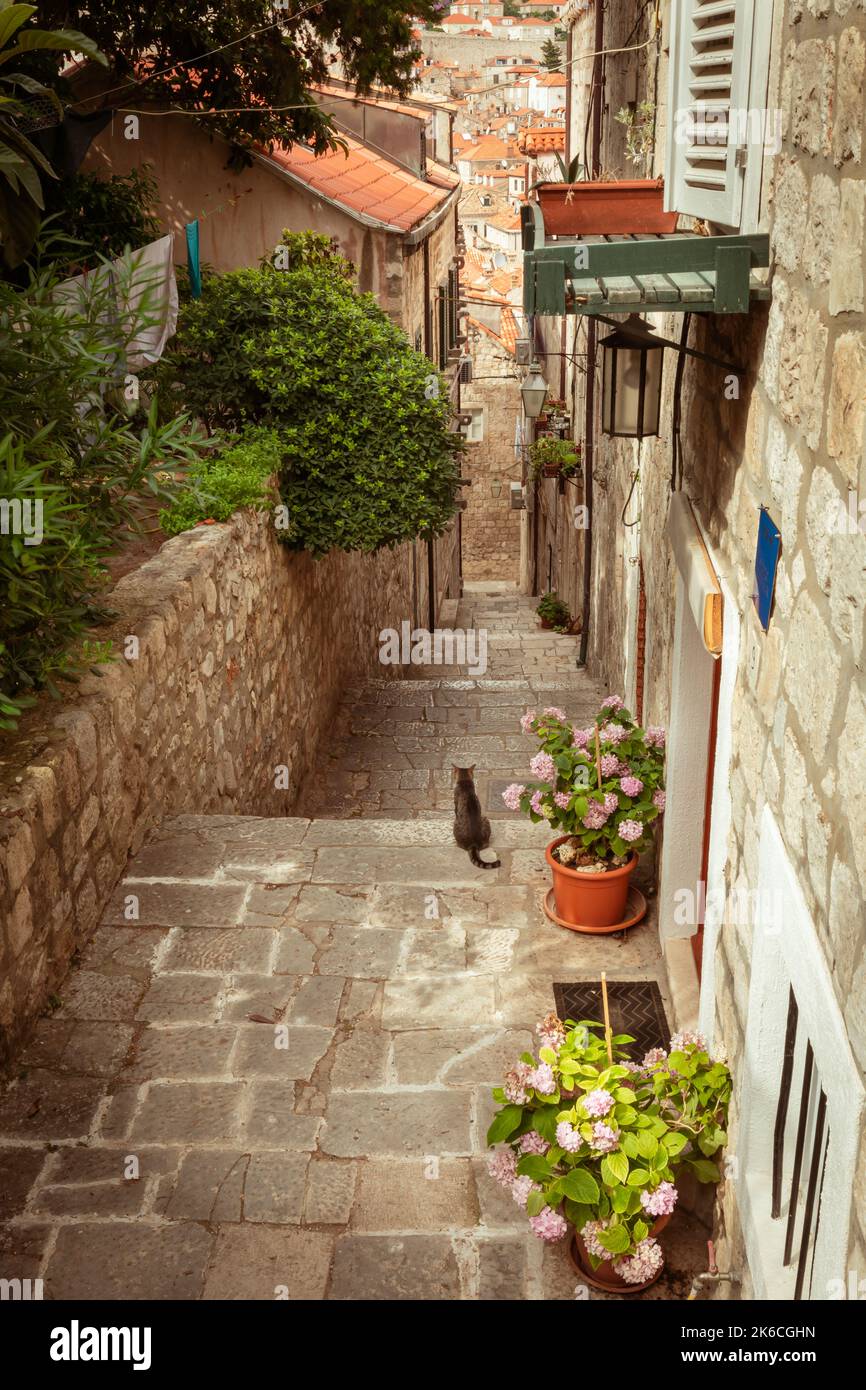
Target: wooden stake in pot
[(607, 1027), (598, 757)]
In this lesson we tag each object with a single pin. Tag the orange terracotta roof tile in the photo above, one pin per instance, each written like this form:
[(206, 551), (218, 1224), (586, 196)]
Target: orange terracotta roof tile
[(509, 329), (538, 141), (364, 182)]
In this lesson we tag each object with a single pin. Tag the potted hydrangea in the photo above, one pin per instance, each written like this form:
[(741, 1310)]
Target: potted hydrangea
[(601, 787), (590, 1143)]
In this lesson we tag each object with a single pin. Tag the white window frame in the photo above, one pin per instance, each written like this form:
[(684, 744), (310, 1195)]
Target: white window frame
[(786, 952), (737, 206), (479, 417)]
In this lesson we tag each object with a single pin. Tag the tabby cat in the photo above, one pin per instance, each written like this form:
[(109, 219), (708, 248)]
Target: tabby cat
[(471, 829)]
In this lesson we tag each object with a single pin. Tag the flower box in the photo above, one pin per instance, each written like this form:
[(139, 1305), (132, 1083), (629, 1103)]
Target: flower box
[(589, 209)]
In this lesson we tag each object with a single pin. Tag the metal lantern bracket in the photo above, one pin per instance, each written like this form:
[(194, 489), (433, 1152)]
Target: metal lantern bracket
[(635, 332), (680, 273)]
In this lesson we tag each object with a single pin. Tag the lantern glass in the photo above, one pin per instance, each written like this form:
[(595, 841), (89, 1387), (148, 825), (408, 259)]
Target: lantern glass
[(534, 393), (632, 385)]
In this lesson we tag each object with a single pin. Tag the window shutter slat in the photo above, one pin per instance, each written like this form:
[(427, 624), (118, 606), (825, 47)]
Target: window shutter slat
[(710, 71)]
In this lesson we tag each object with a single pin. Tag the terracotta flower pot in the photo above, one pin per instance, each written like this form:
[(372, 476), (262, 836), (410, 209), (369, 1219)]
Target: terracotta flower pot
[(588, 209), (589, 900), (605, 1276)]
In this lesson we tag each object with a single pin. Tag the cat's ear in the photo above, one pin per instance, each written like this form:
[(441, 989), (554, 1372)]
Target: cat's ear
[(471, 770)]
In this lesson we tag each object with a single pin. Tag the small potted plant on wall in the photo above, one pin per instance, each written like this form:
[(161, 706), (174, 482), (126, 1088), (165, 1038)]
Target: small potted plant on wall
[(582, 207), (552, 458), (591, 1143), (554, 614), (601, 787)]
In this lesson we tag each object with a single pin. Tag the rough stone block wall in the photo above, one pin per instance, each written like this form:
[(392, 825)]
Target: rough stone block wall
[(491, 530), (795, 443), (243, 649)]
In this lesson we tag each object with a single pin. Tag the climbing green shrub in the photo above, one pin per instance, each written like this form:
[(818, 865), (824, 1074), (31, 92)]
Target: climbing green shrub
[(217, 486), (368, 457), (77, 460)]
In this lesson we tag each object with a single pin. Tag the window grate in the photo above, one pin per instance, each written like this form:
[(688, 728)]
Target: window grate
[(811, 1134)]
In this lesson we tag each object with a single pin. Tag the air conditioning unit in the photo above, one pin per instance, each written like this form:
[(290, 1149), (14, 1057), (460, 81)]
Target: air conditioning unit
[(517, 497), (466, 371), (523, 352)]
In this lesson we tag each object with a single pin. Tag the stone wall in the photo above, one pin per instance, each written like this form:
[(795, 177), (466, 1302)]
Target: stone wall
[(491, 530), (243, 649), (792, 442)]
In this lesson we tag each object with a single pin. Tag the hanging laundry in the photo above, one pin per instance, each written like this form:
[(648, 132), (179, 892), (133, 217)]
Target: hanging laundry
[(139, 292), (193, 258)]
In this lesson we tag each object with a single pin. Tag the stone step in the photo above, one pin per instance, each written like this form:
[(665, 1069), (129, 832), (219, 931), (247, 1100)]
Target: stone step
[(276, 834)]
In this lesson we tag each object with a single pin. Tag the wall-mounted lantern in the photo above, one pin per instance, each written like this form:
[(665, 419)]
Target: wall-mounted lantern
[(632, 381), (534, 392)]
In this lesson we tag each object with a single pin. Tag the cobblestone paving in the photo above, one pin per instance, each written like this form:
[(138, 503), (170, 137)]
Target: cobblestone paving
[(270, 1072)]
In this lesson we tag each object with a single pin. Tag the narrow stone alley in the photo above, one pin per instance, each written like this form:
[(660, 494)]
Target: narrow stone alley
[(269, 1075)]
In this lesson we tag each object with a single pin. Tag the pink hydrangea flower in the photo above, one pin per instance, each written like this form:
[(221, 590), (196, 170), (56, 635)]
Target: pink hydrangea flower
[(596, 816), (537, 802), (542, 1079), (655, 737), (632, 786), (554, 712), (687, 1038), (527, 720), (543, 767), (611, 802), (503, 1166), (549, 1225), (551, 1032), (643, 1265), (654, 1058), (589, 1236), (567, 1137), (612, 702), (511, 796), (521, 1188), (659, 799), (630, 830), (662, 1201), (597, 1103), (516, 1082), (609, 765), (563, 800), (613, 733), (581, 737), (532, 1143), (604, 1139)]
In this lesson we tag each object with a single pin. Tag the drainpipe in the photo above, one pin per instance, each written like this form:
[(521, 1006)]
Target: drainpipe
[(592, 343), (428, 348)]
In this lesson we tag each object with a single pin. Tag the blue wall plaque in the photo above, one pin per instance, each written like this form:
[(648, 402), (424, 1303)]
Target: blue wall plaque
[(766, 565)]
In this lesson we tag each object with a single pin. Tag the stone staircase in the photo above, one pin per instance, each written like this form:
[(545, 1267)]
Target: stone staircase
[(291, 1028)]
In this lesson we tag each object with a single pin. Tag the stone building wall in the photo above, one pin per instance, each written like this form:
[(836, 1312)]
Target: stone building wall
[(243, 650), (491, 530), (795, 443)]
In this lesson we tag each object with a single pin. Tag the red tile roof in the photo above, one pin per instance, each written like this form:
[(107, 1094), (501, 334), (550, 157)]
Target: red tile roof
[(366, 183)]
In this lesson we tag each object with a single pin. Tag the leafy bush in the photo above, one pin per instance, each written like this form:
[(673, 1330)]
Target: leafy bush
[(79, 452), (218, 486), (593, 1142), (554, 455), (368, 458), (100, 217), (602, 786), (554, 612)]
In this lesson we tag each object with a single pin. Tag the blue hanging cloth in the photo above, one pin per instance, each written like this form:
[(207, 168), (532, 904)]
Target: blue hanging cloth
[(192, 259)]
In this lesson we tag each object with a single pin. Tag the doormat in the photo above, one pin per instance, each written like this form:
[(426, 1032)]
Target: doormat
[(635, 1007)]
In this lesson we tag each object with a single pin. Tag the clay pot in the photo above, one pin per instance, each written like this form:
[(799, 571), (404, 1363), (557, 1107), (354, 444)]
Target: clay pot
[(605, 1276), (588, 209), (589, 900)]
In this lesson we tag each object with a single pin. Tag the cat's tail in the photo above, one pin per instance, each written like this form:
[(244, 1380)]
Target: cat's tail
[(482, 863)]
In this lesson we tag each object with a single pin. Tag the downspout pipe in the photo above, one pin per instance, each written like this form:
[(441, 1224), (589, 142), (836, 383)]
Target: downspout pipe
[(592, 344)]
